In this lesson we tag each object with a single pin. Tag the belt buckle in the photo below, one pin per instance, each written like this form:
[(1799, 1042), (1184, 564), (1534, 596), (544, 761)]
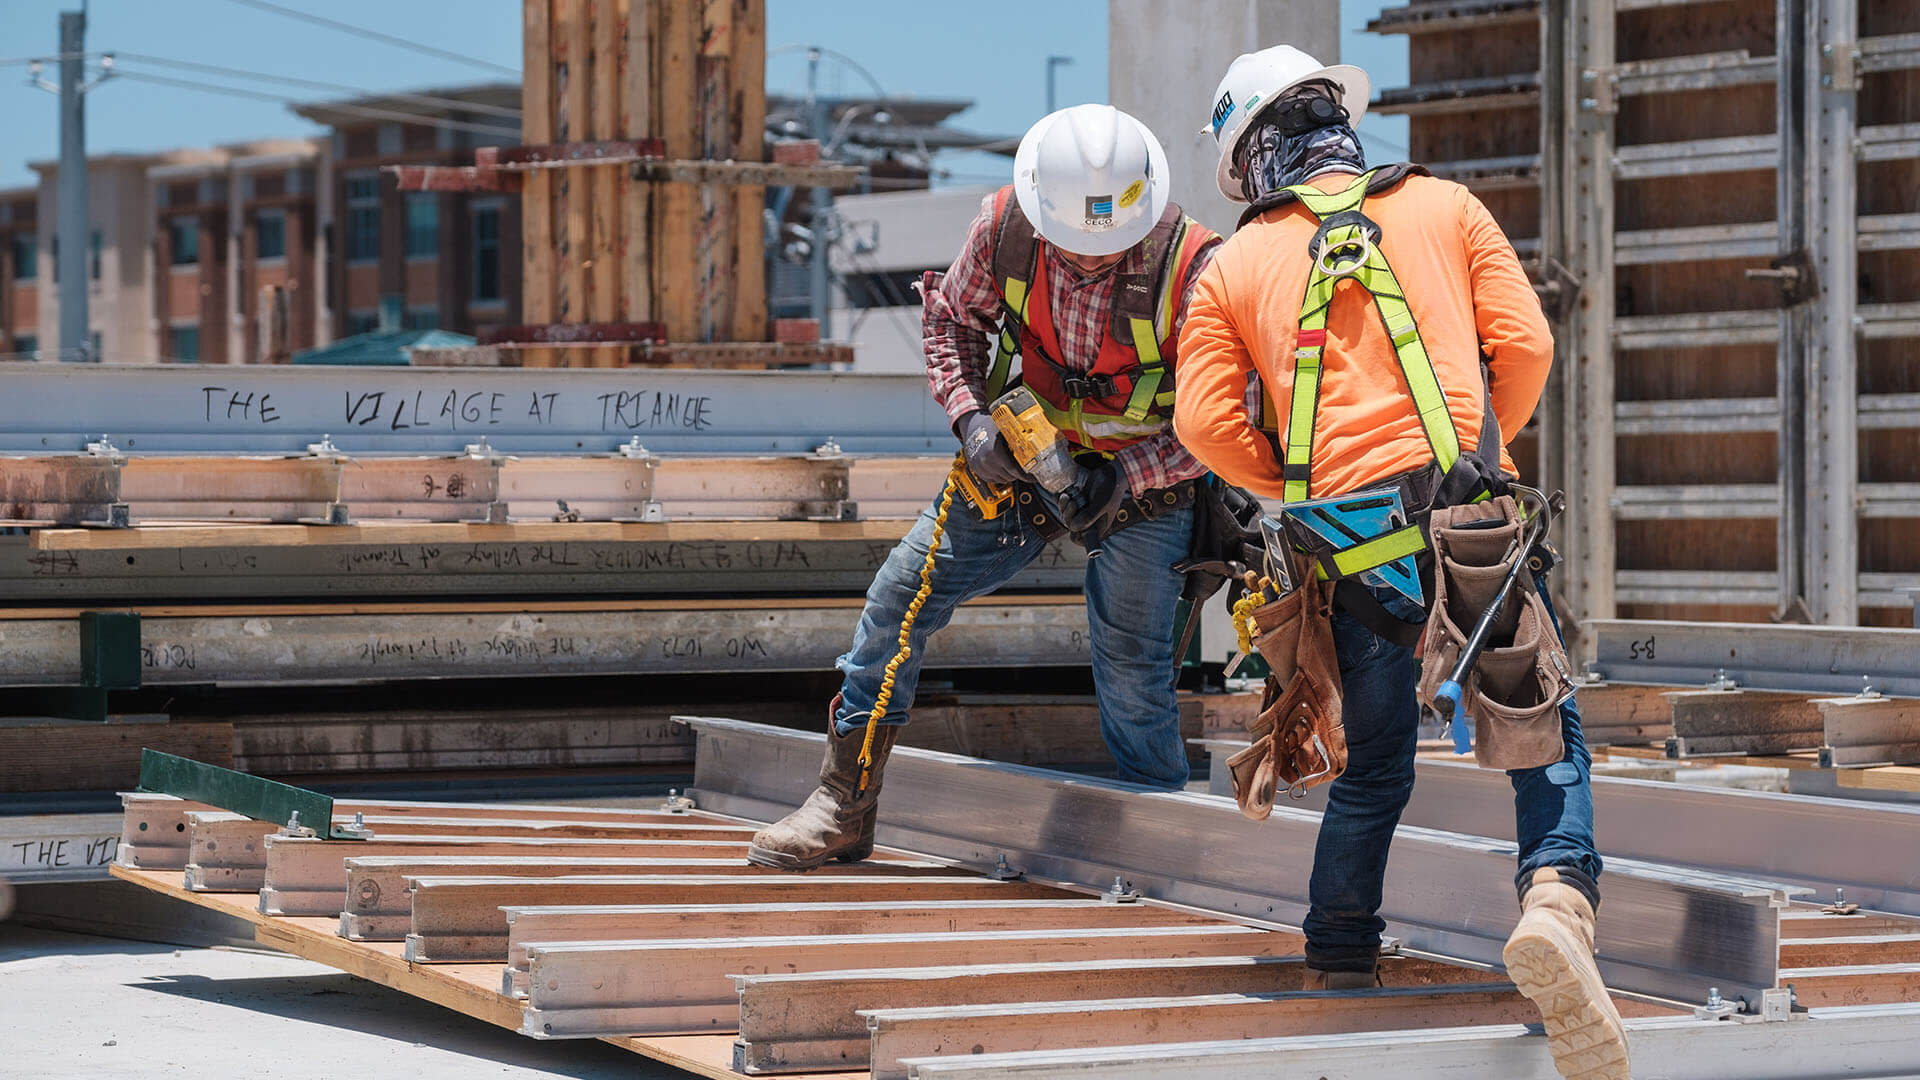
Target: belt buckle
[(1081, 387)]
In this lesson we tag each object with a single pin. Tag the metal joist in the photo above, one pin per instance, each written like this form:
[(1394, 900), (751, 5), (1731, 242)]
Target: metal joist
[(1199, 851), (1875, 1041), (1866, 730), (1637, 333), (167, 409), (1699, 243), (1879, 321), (1450, 15), (1832, 534), (1887, 142), (1696, 416), (1887, 52), (1889, 232), (1738, 588), (1700, 157), (1707, 71), (1761, 656), (265, 648), (1698, 502)]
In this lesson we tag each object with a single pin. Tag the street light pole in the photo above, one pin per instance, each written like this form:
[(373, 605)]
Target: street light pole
[(71, 259), (1053, 63)]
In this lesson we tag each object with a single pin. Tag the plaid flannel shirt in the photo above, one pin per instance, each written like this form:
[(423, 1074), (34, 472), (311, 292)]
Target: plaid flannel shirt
[(962, 320)]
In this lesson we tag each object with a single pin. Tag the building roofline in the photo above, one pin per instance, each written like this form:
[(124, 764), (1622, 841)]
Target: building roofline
[(342, 112)]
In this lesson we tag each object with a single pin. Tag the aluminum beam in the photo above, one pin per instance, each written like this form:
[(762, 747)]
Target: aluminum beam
[(569, 568), (1699, 157), (1741, 722), (1874, 1042), (57, 847), (1869, 731), (165, 409), (1759, 656), (1448, 894), (601, 988), (370, 646), (1804, 841), (1832, 449)]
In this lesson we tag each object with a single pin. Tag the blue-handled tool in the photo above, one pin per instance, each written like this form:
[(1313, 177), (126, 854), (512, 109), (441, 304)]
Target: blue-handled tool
[(1450, 699)]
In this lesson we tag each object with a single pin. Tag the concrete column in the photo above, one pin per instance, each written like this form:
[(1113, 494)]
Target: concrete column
[(1164, 60)]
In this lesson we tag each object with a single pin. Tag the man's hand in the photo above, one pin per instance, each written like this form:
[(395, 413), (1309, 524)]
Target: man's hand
[(1089, 505), (987, 455)]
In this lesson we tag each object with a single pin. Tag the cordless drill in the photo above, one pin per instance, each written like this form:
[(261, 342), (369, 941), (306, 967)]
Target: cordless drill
[(1039, 448)]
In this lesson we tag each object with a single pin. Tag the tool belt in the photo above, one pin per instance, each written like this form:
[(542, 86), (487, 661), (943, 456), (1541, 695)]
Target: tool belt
[(1522, 677), (1146, 506), (1298, 738)]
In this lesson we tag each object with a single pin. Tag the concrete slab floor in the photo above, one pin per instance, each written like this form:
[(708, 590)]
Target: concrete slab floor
[(101, 1007)]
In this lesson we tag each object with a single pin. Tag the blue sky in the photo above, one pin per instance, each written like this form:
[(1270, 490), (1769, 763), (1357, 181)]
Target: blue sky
[(966, 50)]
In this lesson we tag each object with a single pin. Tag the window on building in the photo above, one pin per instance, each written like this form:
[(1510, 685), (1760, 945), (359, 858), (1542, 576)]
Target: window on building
[(363, 218), (421, 318), (93, 255), (183, 236), (26, 257), (27, 345), (270, 235), (183, 344), (423, 224), (362, 322), (486, 253), (93, 343)]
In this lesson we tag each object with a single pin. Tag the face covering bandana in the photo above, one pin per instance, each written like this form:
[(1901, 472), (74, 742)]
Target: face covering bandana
[(1269, 159)]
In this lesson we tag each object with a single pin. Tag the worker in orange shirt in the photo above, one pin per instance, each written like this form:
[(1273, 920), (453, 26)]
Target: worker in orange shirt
[(1376, 377)]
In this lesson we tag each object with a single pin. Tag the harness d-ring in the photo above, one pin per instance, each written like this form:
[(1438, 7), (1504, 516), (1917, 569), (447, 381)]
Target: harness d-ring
[(1331, 250)]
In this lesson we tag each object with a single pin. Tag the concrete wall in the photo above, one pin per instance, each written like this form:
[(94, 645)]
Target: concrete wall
[(1164, 60)]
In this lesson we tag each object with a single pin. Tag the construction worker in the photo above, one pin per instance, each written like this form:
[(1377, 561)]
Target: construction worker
[(1354, 350), (1081, 268)]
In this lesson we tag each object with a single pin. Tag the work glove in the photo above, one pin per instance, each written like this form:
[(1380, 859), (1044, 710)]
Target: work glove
[(986, 449), (1089, 505)]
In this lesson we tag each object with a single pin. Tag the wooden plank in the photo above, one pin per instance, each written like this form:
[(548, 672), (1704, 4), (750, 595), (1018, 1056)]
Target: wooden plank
[(1850, 950), (810, 1021), (715, 236), (751, 321), (1882, 778), (675, 206), (1865, 984), (536, 128), (669, 921), (168, 537), (636, 120), (685, 986), (1800, 923), (73, 756), (601, 185), (470, 907), (572, 78)]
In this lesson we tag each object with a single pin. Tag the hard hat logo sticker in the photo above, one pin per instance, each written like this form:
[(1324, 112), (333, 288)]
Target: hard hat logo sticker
[(1221, 110), (1132, 194), (1099, 212)]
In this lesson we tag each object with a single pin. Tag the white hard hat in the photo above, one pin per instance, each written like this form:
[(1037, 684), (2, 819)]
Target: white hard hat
[(1091, 179), (1255, 80)]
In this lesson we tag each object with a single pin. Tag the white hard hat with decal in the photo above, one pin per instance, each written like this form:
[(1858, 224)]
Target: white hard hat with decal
[(1091, 179), (1258, 79)]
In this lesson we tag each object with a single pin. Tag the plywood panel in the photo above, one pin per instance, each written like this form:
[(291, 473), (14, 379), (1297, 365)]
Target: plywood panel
[(676, 48), (1697, 545), (1726, 371), (1741, 458), (1890, 277), (1695, 29), (1890, 457), (1677, 288), (1482, 133), (1696, 114), (536, 201), (1890, 545), (1474, 52), (1722, 199)]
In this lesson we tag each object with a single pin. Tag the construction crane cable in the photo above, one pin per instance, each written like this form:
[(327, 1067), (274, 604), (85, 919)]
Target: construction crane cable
[(478, 107), (351, 110)]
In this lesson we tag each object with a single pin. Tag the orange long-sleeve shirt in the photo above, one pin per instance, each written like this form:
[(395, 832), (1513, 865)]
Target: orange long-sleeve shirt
[(1467, 292)]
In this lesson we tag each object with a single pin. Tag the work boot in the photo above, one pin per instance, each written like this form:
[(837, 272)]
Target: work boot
[(834, 823), (1550, 958), (1340, 980)]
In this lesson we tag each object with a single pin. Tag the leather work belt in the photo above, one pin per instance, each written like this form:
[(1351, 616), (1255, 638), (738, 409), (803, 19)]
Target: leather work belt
[(1146, 506)]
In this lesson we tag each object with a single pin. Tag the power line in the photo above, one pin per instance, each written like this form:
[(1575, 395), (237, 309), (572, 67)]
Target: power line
[(375, 35), (351, 110), (481, 108)]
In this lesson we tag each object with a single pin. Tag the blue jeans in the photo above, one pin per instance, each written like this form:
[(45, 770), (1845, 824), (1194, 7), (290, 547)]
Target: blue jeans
[(1553, 804), (1132, 593)]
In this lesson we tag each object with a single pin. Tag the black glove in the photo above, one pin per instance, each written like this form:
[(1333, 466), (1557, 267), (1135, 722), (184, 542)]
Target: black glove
[(987, 455), (1089, 505)]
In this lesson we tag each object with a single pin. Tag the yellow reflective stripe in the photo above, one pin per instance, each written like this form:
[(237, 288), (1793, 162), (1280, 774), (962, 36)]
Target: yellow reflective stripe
[(1017, 296), (1164, 398), (1145, 388), (1145, 345), (1169, 286), (1379, 551), (1094, 425)]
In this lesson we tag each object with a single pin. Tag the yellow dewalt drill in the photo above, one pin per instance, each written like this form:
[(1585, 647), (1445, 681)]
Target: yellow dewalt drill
[(1039, 448)]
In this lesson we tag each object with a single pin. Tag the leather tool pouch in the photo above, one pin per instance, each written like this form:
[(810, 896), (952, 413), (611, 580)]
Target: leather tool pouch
[(1516, 687), (1298, 738)]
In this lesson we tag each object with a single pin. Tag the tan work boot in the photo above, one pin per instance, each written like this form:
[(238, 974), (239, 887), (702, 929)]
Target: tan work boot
[(1550, 958), (834, 823)]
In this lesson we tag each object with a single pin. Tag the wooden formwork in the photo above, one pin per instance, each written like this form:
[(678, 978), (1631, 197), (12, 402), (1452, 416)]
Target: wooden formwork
[(1738, 442), (563, 924)]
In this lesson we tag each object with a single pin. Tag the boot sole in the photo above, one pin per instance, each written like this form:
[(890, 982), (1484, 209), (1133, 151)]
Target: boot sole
[(1584, 1032), (780, 860)]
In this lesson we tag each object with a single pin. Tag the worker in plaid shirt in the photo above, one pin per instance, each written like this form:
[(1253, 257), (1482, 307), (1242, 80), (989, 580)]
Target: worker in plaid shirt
[(1080, 271)]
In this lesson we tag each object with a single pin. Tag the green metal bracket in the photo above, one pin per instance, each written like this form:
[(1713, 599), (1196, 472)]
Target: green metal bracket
[(240, 793), (109, 661)]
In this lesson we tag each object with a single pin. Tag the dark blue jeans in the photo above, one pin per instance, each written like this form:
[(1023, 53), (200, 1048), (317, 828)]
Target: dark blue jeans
[(1132, 593), (1553, 805)]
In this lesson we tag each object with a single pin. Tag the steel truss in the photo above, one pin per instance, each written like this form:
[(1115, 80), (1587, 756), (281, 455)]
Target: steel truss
[(1199, 851)]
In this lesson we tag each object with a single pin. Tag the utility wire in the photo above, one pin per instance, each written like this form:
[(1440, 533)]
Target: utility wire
[(375, 35), (481, 108), (350, 110)]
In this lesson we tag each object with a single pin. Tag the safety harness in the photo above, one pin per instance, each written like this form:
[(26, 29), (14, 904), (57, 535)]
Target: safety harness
[(1346, 246), (1128, 393)]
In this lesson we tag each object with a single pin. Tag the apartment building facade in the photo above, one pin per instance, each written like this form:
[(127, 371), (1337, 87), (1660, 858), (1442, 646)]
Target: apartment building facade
[(19, 273), (449, 260)]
